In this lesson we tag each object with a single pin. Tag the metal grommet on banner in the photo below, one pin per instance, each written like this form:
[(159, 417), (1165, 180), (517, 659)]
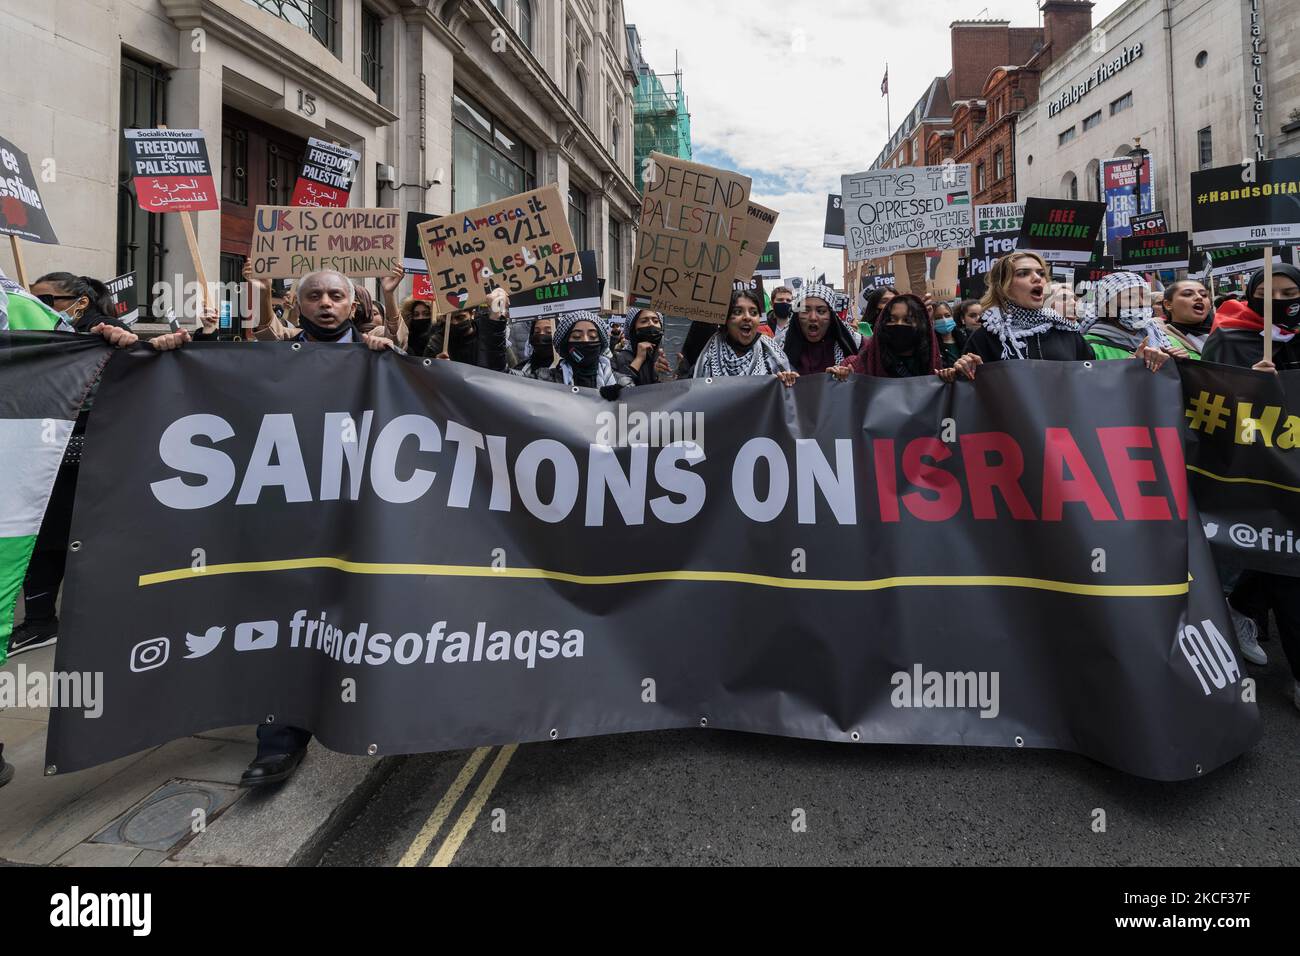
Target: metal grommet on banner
[(1020, 741), (428, 362), (296, 346), (1199, 771), (270, 719), (575, 390), (855, 736), (1087, 365), (51, 770), (75, 546), (372, 749), (708, 381), (554, 734), (704, 721)]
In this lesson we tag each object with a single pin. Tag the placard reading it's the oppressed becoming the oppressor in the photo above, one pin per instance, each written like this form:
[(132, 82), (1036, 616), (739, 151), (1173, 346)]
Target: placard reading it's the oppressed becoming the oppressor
[(693, 223), (516, 244), (294, 240), (907, 210)]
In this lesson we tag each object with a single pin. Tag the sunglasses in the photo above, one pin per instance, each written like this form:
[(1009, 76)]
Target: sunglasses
[(49, 299)]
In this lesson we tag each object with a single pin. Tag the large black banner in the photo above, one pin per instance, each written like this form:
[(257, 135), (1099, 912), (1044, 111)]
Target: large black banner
[(1243, 459), (409, 556)]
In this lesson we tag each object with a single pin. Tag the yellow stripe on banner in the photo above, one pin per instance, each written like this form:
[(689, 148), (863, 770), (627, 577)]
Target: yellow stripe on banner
[(1243, 481), (718, 577)]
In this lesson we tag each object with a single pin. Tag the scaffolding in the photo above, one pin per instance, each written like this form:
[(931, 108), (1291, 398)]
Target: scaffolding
[(661, 118)]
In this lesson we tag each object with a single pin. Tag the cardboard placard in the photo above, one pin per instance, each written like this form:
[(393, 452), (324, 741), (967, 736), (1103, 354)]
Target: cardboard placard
[(1151, 224), (1256, 204), (578, 291), (940, 276), (1151, 253), (693, 222), (1061, 230), (326, 177), (126, 301), (909, 209), (833, 237), (296, 240), (170, 170), (22, 213), (759, 222), (516, 244), (999, 217)]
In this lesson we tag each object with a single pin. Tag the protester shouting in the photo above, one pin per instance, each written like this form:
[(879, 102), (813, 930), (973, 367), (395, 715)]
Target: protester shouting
[(1238, 336), (581, 341), (816, 339), (86, 304), (478, 336), (738, 347), (1189, 319), (1015, 322), (1125, 318), (904, 346), (642, 358)]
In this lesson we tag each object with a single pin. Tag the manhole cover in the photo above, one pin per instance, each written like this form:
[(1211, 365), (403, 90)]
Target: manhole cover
[(167, 816)]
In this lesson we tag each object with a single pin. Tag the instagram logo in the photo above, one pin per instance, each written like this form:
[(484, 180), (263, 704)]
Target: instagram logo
[(147, 655)]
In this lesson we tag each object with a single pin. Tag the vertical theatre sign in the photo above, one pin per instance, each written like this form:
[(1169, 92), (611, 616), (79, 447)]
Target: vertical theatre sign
[(1255, 95)]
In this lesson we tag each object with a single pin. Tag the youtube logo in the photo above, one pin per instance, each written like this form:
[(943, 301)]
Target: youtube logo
[(257, 635)]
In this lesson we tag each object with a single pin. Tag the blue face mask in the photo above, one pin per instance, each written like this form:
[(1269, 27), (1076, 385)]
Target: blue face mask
[(944, 326)]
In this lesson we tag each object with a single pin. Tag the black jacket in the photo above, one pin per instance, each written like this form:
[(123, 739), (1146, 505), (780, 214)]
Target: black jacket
[(487, 349), (1054, 345), (646, 375), (1243, 348)]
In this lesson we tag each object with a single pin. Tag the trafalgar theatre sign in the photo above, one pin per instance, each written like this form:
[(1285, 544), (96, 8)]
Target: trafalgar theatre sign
[(1104, 72)]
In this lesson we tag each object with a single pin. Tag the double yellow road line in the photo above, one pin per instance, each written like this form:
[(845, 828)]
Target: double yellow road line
[(451, 844)]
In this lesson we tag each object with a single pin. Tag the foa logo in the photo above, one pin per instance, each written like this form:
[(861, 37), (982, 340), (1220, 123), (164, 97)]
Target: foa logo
[(78, 909)]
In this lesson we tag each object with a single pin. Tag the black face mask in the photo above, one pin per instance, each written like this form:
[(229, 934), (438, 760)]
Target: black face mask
[(648, 333), (781, 310), (585, 356), (320, 334), (543, 350), (900, 339), (1286, 312)]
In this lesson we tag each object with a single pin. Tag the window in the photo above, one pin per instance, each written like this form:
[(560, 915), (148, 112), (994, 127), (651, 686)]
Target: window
[(1065, 137), (580, 93), (979, 177), (578, 216), (963, 139), (1121, 104), (320, 18), (139, 234), (999, 166), (234, 165), (282, 167), (1090, 121), (1070, 186), (614, 136), (372, 49), (489, 162), (525, 8), (1201, 59), (615, 253), (1205, 148)]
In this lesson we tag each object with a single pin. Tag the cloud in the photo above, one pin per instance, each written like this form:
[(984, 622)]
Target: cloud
[(788, 91)]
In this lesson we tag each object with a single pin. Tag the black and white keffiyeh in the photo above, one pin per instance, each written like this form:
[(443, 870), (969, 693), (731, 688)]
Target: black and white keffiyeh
[(1014, 325), (564, 326), (1142, 321), (720, 360)]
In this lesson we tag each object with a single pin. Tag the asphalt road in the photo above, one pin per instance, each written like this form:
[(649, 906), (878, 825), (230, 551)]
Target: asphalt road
[(711, 797)]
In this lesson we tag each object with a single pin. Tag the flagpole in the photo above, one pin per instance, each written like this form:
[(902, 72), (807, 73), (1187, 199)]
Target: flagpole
[(889, 121)]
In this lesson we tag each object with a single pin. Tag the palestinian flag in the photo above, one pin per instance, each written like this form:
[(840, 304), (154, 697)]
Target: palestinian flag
[(44, 376), (19, 309), (959, 199)]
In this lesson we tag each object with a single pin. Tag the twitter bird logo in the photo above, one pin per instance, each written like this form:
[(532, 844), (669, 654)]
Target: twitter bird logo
[(202, 645)]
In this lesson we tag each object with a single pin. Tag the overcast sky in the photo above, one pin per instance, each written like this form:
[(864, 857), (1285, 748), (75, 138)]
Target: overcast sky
[(788, 91)]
